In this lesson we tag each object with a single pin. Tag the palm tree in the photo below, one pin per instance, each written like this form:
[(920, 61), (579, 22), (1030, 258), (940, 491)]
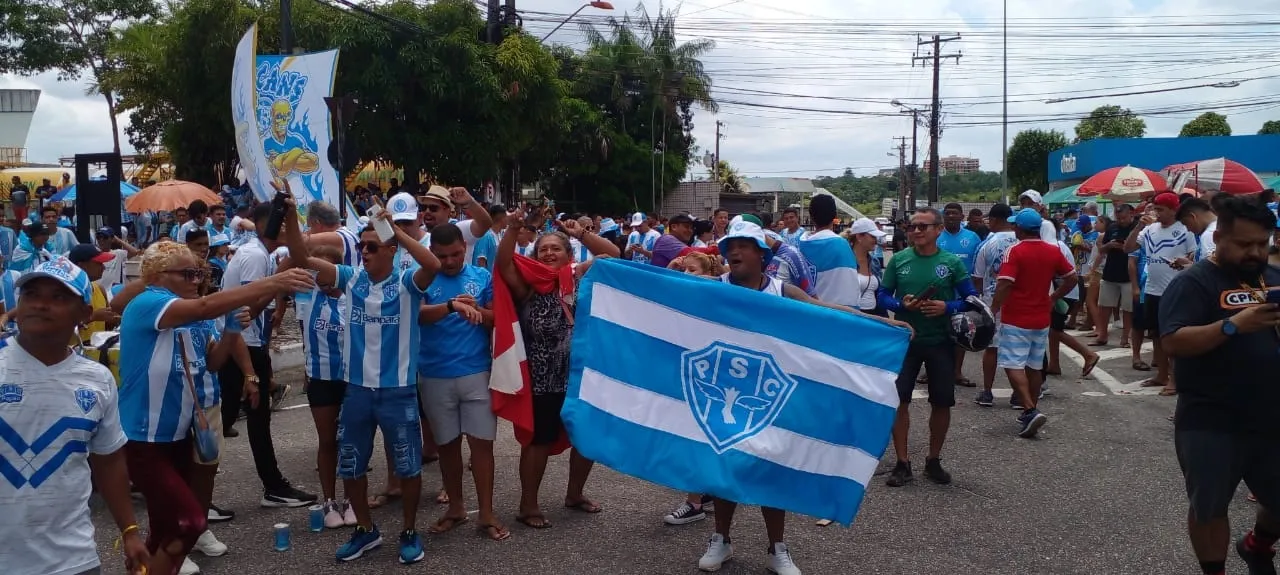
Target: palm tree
[(641, 67)]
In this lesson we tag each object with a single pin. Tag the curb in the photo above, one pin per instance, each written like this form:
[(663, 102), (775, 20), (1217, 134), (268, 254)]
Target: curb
[(287, 357)]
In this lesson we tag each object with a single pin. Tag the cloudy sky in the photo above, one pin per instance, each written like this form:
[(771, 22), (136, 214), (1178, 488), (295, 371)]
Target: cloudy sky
[(805, 85)]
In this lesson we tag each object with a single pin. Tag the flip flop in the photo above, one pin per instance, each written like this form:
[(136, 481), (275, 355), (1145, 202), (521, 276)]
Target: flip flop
[(1166, 392), (1098, 344), (535, 521), (446, 524), (1089, 365), (964, 382), (382, 499), (1153, 383), (1125, 343), (584, 506), (1142, 366), (823, 522), (494, 532)]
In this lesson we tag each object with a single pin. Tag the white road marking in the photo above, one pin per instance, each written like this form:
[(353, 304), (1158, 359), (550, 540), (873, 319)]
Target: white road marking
[(299, 406), (1106, 379)]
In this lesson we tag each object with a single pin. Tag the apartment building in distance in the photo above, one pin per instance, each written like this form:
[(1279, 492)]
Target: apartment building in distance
[(955, 165)]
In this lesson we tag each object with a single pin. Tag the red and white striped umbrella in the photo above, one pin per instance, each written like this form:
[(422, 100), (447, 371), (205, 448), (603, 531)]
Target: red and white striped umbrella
[(1125, 183), (1218, 174)]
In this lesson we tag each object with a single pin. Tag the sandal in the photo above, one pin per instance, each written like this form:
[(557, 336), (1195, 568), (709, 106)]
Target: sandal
[(382, 499), (1153, 382), (446, 524), (494, 532), (1098, 344), (535, 521), (1166, 392), (584, 506), (964, 382), (1089, 364), (1142, 366)]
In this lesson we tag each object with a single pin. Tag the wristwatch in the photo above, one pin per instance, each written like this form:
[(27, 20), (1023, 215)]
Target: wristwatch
[(1228, 328), (449, 306), (251, 379)]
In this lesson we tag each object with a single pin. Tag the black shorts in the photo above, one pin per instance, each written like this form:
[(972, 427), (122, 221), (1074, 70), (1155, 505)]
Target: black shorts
[(1058, 321), (1151, 315), (1214, 462), (547, 425), (879, 311), (325, 392), (939, 362)]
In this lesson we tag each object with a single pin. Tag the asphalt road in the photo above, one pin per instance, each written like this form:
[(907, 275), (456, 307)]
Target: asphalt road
[(1098, 492)]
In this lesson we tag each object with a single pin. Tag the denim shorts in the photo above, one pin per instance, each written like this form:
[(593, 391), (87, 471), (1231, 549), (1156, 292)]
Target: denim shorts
[(394, 410)]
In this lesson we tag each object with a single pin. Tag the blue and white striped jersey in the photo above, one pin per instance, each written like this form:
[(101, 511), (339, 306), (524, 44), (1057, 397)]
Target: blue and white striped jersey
[(323, 336), (382, 328)]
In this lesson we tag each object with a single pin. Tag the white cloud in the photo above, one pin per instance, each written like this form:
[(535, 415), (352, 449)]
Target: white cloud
[(862, 49), (66, 122)]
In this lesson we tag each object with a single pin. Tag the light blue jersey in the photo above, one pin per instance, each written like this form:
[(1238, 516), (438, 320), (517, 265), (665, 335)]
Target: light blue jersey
[(791, 238), (382, 328), (180, 235), (837, 268), (453, 347), (8, 241), (8, 292), (486, 249), (964, 244), (155, 405), (324, 331)]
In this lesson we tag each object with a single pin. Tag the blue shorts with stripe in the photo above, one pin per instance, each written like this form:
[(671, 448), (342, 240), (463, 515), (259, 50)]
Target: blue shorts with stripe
[(1019, 348)]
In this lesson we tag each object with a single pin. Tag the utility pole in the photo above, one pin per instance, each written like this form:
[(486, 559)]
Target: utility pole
[(493, 22), (715, 170), (1004, 124), (915, 162), (286, 26), (903, 176), (935, 181), (511, 19)]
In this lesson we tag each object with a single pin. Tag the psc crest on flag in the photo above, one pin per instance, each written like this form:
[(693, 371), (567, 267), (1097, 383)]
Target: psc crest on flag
[(734, 392), (706, 387)]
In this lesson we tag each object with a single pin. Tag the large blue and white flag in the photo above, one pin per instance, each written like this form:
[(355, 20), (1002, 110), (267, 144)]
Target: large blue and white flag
[(707, 387)]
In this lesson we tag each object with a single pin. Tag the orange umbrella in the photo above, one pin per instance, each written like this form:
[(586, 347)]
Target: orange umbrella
[(169, 195)]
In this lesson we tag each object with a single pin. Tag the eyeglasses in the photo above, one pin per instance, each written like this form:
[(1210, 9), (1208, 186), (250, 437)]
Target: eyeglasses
[(192, 275), (920, 227), (433, 208)]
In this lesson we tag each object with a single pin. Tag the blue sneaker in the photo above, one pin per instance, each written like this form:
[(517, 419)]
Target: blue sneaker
[(411, 550), (985, 399), (1031, 422), (361, 541)]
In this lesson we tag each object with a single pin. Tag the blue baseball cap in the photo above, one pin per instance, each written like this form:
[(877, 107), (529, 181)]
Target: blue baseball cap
[(65, 272), (1027, 219)]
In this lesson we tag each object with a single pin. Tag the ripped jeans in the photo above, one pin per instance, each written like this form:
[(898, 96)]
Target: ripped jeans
[(364, 411)]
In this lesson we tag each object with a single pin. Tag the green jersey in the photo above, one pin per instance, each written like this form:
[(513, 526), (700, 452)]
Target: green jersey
[(909, 273)]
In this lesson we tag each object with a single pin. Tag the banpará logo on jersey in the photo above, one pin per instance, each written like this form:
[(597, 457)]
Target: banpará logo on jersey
[(10, 393), (734, 392), (942, 271), (87, 399)]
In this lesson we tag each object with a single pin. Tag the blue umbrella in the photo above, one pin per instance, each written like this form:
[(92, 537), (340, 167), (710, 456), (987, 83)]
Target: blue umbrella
[(68, 194)]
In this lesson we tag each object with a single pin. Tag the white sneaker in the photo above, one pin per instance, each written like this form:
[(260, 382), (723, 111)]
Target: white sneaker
[(209, 545), (333, 515), (780, 561), (717, 553), (349, 515), (189, 567)]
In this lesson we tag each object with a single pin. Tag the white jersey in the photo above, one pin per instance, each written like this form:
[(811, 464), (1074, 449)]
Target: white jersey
[(772, 286), (580, 252), (405, 259), (986, 265), (52, 417), (250, 263), (1163, 245), (114, 272), (465, 227), (1207, 245)]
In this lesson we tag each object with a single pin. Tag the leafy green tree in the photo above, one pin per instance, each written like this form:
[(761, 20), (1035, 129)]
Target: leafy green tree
[(1270, 127), (728, 177), (71, 37), (1206, 124), (1029, 158), (1110, 122)]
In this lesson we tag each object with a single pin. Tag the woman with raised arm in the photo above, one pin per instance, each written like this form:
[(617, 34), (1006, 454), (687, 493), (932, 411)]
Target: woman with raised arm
[(542, 290)]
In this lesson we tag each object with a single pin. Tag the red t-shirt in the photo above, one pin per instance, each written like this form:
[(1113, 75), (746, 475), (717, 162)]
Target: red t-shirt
[(1031, 265)]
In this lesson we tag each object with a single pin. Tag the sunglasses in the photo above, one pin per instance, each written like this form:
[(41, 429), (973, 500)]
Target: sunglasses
[(192, 275), (920, 227), (370, 247), (433, 208)]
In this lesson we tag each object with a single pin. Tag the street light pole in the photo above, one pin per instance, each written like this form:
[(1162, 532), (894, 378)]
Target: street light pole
[(1004, 125), (601, 5)]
